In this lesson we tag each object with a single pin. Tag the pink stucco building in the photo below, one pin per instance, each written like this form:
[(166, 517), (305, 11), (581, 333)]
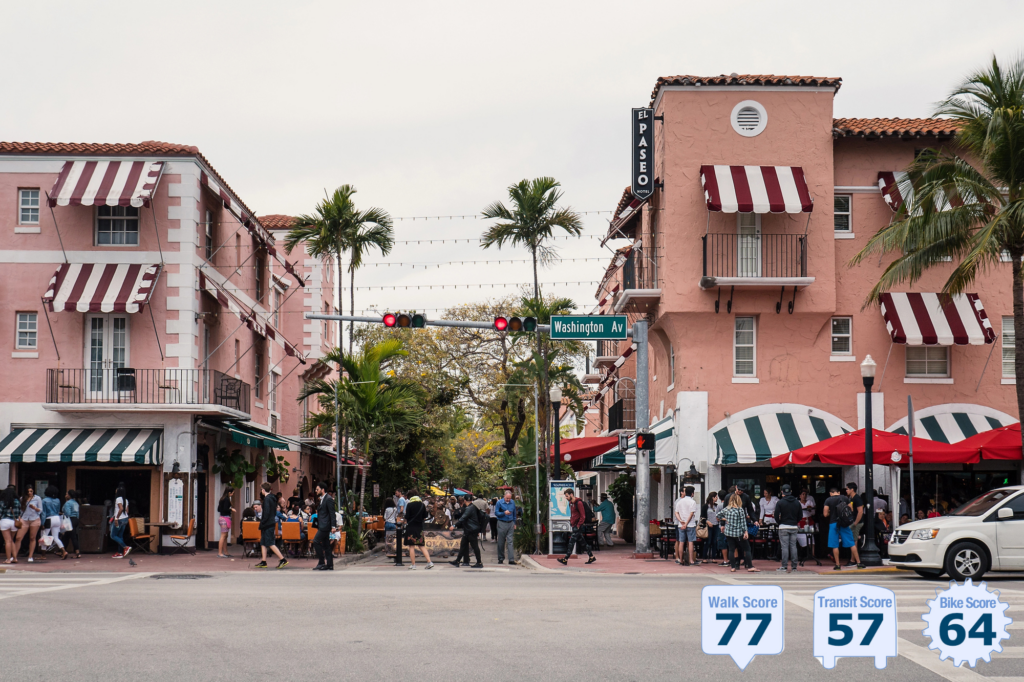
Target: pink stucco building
[(143, 305), (742, 263)]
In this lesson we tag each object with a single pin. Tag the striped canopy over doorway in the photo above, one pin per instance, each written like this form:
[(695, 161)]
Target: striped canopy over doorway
[(951, 427), (761, 437), (126, 446)]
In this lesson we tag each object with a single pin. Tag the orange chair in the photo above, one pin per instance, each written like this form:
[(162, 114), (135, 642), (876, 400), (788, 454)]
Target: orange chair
[(250, 538), (181, 541), (291, 534), (139, 540)]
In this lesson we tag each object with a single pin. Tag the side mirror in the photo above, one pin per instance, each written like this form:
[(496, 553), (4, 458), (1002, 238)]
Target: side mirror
[(1004, 513)]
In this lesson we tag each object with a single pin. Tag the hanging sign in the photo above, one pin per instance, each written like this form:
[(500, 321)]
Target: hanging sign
[(643, 153)]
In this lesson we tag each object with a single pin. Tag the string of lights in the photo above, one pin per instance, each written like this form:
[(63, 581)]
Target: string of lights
[(474, 216), (398, 287), (473, 262), (477, 240)]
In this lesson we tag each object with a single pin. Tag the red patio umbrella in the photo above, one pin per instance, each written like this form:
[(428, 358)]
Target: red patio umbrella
[(848, 450), (578, 449), (1001, 443)]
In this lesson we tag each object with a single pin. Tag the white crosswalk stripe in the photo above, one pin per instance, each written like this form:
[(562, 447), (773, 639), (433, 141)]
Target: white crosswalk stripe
[(21, 583)]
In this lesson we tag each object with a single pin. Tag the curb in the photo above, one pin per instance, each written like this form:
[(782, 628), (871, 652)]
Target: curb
[(530, 563)]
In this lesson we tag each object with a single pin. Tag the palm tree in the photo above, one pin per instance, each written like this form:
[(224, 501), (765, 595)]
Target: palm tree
[(968, 213), (371, 230), (365, 400)]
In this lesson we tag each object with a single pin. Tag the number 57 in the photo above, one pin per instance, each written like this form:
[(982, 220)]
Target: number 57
[(734, 622), (847, 632)]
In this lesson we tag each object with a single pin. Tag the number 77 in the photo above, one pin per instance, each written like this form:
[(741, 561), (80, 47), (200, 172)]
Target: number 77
[(734, 622)]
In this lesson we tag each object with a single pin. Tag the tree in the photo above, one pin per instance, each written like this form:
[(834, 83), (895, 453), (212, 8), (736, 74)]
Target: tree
[(966, 207), (368, 401), (370, 229)]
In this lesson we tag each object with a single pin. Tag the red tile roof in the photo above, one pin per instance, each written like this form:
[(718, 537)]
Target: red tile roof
[(277, 221), (747, 79), (624, 201), (893, 127), (147, 148)]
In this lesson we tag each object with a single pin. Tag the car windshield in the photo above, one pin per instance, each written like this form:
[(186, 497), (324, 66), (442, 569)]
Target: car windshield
[(981, 504)]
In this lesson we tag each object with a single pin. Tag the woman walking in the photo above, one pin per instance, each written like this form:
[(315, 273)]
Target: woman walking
[(709, 513), (31, 508), (390, 515), (492, 517), (10, 512), (51, 516), (70, 511), (119, 521), (736, 533), (224, 512)]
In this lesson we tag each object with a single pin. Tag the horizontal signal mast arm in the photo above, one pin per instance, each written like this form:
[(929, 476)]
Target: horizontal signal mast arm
[(465, 324)]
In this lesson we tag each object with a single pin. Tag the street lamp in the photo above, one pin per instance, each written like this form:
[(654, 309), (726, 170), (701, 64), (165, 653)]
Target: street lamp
[(555, 395), (870, 555)]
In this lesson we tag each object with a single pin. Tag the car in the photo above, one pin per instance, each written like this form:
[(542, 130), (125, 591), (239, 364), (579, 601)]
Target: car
[(985, 534)]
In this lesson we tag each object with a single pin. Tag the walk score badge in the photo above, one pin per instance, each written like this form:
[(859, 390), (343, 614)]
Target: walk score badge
[(967, 622), (855, 620), (741, 621)]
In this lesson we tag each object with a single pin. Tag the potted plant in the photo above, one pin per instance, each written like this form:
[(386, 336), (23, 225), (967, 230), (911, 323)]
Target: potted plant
[(277, 468), (621, 492), (232, 467)]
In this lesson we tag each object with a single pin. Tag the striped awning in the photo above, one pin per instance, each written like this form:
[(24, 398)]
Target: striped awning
[(755, 189), (897, 189), (663, 430), (950, 427), (127, 446), (106, 183), (759, 438), (936, 319), (101, 288), (620, 227), (255, 437)]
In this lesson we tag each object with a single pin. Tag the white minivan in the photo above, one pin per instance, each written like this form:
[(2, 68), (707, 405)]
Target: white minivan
[(985, 534)]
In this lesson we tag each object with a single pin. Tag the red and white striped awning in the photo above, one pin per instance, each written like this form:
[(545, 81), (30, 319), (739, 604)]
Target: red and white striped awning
[(259, 323), (606, 381), (101, 288), (755, 189), (936, 319), (897, 189), (106, 183)]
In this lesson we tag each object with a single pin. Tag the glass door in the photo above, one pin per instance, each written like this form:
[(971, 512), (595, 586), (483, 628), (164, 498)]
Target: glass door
[(106, 356), (748, 245)]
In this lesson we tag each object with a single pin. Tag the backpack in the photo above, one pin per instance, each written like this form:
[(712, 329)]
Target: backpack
[(844, 512), (588, 513)]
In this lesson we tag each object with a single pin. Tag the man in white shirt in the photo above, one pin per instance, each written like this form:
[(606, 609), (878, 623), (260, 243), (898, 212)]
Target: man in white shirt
[(767, 505), (686, 511)]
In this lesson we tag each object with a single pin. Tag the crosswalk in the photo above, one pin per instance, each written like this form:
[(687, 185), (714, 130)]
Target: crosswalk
[(24, 583)]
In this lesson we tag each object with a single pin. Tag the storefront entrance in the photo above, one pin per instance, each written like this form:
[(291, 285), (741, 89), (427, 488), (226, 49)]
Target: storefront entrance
[(944, 490), (97, 487)]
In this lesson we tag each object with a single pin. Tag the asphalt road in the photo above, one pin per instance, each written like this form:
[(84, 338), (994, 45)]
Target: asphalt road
[(372, 622)]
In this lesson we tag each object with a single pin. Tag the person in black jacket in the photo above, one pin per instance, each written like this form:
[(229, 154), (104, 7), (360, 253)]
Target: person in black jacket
[(415, 516), (471, 521), (325, 526), (788, 513), (268, 529)]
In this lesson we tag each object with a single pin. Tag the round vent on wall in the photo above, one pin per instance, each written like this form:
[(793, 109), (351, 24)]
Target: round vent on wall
[(749, 118)]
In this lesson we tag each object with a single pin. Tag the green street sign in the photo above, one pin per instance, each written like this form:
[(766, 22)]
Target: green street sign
[(584, 327)]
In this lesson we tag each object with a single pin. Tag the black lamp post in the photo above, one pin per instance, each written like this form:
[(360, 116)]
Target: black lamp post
[(869, 556), (555, 394)]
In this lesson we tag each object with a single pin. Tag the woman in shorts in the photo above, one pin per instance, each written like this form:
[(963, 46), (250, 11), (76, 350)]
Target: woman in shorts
[(224, 512), (10, 511), (415, 515)]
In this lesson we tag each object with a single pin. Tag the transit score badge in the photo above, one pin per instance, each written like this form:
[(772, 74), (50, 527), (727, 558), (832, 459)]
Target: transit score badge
[(966, 622), (741, 621), (855, 620)]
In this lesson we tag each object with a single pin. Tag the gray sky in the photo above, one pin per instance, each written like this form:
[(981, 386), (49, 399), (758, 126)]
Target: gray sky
[(435, 108)]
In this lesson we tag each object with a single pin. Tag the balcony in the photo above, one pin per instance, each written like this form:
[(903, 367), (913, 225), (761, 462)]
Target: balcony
[(195, 391), (640, 284), (755, 260)]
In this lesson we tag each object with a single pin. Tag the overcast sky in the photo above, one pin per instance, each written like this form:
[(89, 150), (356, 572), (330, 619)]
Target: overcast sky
[(434, 108)]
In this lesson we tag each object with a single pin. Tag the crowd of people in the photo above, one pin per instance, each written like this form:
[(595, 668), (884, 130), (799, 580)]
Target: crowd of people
[(45, 522)]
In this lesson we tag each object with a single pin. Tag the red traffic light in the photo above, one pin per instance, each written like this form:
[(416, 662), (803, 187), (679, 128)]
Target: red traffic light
[(645, 441), (500, 323), (390, 319)]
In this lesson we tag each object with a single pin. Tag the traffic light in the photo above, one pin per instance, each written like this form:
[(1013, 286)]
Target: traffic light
[(515, 324), (390, 319), (419, 321), (500, 324), (529, 324), (644, 441), (405, 320)]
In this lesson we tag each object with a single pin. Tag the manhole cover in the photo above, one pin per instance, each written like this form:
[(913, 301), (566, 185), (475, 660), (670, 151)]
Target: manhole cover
[(179, 576), (635, 573)]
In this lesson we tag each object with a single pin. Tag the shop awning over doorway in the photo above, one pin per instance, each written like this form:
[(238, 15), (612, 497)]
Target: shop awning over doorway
[(101, 287), (763, 436), (887, 448), (663, 430), (255, 437), (755, 189), (1003, 443), (578, 449), (106, 183), (930, 319), (125, 446), (951, 427)]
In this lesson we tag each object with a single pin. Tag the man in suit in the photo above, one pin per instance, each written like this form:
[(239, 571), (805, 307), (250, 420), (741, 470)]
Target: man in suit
[(325, 526)]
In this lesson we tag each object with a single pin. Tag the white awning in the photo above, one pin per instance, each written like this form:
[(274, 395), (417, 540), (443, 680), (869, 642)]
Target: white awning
[(106, 183)]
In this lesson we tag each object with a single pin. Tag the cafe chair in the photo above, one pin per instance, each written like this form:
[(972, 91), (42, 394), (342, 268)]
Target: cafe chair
[(138, 540), (250, 538), (291, 535), (181, 541)]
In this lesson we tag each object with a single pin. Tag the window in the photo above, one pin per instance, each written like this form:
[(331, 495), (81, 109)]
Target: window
[(842, 335), (743, 352), (327, 337), (117, 226), (272, 392), (27, 331), (275, 301), (258, 374), (841, 213), (238, 250), (671, 365), (927, 361), (1009, 348), (28, 206), (209, 234), (259, 265)]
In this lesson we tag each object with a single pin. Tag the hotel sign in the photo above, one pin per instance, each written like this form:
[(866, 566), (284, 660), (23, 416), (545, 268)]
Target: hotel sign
[(643, 153)]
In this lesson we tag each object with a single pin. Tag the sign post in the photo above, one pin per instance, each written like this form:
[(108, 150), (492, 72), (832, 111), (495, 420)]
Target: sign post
[(642, 185)]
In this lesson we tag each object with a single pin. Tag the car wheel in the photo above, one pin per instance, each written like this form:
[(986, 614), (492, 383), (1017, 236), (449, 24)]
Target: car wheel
[(966, 560), (929, 573)]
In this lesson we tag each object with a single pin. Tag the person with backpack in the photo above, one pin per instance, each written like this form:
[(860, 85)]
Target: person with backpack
[(580, 515), (471, 521), (840, 517)]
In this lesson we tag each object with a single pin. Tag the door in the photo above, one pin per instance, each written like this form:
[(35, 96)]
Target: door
[(106, 352), (748, 245), (1010, 536)]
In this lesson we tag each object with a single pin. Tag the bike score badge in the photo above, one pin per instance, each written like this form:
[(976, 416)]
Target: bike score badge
[(967, 622)]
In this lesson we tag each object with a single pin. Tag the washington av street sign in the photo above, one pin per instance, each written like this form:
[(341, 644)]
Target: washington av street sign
[(588, 327)]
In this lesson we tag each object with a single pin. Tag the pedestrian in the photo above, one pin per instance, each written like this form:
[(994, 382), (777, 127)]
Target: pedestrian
[(400, 502), (415, 515), (325, 526), (604, 527), (805, 538), (492, 518), (257, 509), (839, 533), (224, 512), (471, 521), (119, 520), (788, 514), (709, 513), (390, 515), (51, 518), (904, 509), (268, 529), (70, 512), (577, 519), (767, 508), (31, 508), (735, 519), (10, 516), (857, 502), (685, 511), (505, 527), (723, 542)]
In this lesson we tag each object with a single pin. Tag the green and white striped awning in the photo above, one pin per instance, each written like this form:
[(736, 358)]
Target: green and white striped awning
[(951, 427), (662, 430), (255, 437), (759, 438), (127, 446)]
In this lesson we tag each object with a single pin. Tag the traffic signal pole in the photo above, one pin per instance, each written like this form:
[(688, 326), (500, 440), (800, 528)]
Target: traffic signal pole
[(465, 324)]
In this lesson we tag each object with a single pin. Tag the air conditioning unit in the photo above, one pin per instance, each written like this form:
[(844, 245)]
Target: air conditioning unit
[(702, 466)]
